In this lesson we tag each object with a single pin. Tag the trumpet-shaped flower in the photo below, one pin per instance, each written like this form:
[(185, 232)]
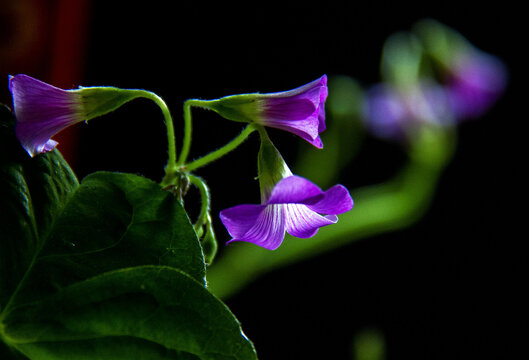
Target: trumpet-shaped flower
[(43, 110), (294, 206), (300, 111), (288, 203)]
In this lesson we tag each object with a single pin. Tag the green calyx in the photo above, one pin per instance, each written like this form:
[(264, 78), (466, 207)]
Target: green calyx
[(272, 168), (241, 108), (99, 101)]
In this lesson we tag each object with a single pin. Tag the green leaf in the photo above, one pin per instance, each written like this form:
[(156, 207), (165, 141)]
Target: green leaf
[(32, 193), (110, 268), (113, 221), (146, 312)]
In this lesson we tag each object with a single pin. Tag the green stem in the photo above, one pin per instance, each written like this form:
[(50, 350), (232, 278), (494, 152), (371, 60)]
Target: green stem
[(222, 151), (171, 168), (204, 194), (209, 242), (186, 145)]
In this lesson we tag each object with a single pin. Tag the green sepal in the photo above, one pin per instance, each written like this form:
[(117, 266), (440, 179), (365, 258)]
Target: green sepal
[(271, 166), (101, 100), (240, 108)]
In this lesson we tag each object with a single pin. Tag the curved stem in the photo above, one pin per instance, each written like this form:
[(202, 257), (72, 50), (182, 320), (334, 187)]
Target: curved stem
[(204, 194), (209, 242), (222, 151), (171, 168), (188, 125)]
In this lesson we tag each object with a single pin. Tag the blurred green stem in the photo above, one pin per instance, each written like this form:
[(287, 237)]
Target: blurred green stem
[(380, 208)]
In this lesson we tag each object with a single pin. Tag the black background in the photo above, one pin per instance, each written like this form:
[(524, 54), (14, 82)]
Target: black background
[(452, 286)]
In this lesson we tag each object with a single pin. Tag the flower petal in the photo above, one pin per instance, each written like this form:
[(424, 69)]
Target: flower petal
[(336, 200), (318, 84), (42, 110), (239, 219), (321, 114), (280, 110), (305, 129), (385, 112), (294, 189), (478, 81), (300, 111), (48, 146), (267, 229), (304, 223)]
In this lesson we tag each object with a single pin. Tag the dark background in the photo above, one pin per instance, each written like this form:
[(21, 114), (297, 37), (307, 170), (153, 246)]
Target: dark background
[(452, 286)]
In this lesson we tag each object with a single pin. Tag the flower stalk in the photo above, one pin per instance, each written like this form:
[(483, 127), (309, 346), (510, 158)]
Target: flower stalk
[(217, 154), (209, 242), (171, 167), (188, 126), (205, 199)]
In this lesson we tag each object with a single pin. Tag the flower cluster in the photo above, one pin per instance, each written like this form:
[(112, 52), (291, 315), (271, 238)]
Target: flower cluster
[(289, 203), (466, 84), (469, 81)]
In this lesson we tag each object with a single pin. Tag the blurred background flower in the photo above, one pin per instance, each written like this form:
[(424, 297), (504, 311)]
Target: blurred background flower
[(449, 286)]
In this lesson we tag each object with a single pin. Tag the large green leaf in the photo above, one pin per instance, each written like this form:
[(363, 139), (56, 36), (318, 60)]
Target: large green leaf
[(146, 312), (32, 193), (111, 267), (113, 221)]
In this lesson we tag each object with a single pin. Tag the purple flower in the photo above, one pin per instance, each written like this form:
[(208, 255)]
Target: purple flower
[(394, 113), (476, 81), (42, 111), (294, 206), (300, 111)]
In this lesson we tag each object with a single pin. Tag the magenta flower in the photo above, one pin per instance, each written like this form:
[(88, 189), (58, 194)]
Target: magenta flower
[(42, 111), (300, 111), (294, 206)]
